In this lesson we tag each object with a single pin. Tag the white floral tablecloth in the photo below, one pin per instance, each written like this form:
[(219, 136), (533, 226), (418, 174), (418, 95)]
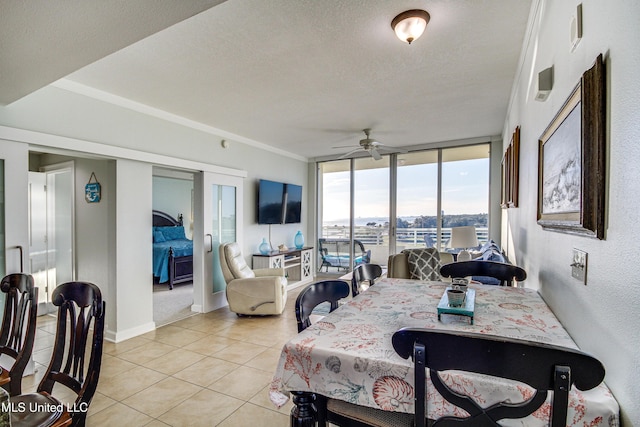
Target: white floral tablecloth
[(348, 354)]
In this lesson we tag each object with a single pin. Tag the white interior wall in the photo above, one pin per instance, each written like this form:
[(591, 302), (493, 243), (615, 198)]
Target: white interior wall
[(95, 261), (174, 196), (600, 315), (59, 112), (71, 124), (267, 167), (15, 207), (134, 252)]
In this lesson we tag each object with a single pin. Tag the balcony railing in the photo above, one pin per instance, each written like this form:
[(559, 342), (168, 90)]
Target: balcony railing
[(407, 237)]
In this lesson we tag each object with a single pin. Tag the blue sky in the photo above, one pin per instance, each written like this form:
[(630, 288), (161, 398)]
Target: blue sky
[(465, 190)]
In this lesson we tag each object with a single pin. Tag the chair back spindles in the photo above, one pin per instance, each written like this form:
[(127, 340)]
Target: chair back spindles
[(18, 331), (80, 332)]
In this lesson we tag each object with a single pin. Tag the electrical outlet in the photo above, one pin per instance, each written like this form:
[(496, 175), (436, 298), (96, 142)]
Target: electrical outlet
[(579, 265)]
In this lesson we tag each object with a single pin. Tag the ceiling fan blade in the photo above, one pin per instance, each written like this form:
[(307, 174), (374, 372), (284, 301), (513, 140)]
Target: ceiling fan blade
[(392, 149), (350, 153), (375, 154)]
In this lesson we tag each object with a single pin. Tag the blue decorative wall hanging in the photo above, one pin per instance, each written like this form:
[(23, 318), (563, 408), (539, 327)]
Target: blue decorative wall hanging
[(92, 191)]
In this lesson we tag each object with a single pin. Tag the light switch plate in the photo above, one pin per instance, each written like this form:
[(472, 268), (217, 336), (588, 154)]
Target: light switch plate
[(579, 265)]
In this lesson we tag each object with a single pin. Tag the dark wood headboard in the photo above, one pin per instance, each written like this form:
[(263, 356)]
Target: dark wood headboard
[(162, 219)]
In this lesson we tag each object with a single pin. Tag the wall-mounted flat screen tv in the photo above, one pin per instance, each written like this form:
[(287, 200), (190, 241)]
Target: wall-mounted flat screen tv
[(293, 205), (270, 201)]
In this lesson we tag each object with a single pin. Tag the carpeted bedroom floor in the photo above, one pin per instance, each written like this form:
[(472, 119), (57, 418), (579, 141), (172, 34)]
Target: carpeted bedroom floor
[(172, 305)]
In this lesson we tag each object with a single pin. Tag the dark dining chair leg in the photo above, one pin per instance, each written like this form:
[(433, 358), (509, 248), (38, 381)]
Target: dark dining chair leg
[(303, 414)]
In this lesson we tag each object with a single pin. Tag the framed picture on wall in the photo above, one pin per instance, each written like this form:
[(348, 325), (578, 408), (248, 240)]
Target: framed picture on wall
[(571, 161), (510, 171)]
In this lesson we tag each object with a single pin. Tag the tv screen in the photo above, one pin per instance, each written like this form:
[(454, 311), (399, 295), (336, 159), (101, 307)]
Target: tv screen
[(293, 206), (270, 199)]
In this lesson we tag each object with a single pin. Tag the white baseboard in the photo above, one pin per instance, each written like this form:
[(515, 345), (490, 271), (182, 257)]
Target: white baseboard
[(216, 301), (119, 336)]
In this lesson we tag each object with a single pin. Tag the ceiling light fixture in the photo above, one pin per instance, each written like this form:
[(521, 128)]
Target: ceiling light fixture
[(410, 25)]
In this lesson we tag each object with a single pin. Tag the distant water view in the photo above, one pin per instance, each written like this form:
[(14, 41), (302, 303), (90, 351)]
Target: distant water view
[(477, 220), (412, 231), (361, 222)]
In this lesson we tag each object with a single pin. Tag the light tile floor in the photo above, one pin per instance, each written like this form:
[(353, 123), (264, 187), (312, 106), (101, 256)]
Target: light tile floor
[(210, 369)]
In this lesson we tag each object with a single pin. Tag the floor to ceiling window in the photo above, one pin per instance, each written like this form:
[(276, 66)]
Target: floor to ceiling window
[(335, 198), (371, 207), (404, 201), (417, 200), (465, 189)]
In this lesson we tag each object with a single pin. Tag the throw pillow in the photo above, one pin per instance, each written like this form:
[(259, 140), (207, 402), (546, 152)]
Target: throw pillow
[(424, 264), (173, 233), (490, 245), (493, 255), (158, 237)]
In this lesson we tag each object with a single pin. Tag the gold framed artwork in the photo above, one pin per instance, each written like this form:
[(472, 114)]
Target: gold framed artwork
[(571, 161), (510, 171)]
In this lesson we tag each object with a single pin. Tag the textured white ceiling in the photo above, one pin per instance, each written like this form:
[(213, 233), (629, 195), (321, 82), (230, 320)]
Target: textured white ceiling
[(307, 75), (44, 40)]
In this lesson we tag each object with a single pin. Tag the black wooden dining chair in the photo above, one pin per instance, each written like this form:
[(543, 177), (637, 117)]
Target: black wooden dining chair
[(364, 273), (330, 291), (337, 412), (543, 367), (79, 333), (18, 328), (504, 272)]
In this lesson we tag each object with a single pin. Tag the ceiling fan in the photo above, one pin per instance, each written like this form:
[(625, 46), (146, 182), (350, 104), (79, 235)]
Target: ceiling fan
[(372, 146)]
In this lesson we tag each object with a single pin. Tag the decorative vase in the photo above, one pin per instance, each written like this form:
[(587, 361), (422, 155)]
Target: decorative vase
[(299, 240), (264, 247), (455, 297)]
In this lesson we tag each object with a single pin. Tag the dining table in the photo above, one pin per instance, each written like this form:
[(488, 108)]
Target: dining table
[(348, 354)]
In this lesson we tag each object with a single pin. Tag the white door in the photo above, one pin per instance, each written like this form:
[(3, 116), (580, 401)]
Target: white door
[(60, 224), (217, 219), (51, 230), (38, 236)]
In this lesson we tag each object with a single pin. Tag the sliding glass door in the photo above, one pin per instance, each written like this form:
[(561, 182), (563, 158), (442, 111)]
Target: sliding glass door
[(335, 185), (334, 211), (404, 201), (218, 209), (417, 200), (371, 209), (465, 190)]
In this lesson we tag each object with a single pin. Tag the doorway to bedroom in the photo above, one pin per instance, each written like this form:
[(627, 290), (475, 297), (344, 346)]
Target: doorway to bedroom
[(172, 278), (51, 225)]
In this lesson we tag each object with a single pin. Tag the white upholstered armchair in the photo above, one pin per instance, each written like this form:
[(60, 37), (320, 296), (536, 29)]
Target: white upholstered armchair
[(253, 292)]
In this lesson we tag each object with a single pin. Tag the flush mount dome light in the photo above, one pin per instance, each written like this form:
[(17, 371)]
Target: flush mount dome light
[(410, 25)]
